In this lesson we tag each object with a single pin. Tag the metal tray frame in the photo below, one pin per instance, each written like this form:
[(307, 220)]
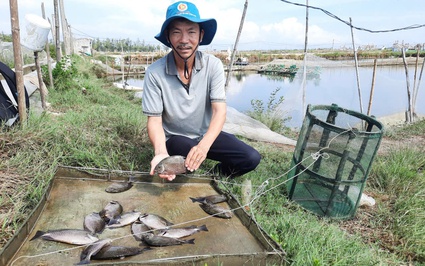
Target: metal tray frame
[(271, 253)]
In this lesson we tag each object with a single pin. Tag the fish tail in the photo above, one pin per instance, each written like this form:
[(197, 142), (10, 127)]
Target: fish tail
[(193, 199), (38, 234), (203, 228)]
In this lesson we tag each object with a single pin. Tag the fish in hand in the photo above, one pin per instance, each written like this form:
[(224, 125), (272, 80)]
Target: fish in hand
[(172, 165)]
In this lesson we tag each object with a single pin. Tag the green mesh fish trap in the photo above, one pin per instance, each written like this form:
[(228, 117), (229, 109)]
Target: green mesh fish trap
[(332, 159)]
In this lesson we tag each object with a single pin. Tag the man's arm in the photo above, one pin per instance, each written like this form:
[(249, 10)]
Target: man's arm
[(199, 152), (157, 137)]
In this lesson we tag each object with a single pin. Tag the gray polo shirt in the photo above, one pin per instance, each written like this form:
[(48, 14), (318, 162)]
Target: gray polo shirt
[(184, 112)]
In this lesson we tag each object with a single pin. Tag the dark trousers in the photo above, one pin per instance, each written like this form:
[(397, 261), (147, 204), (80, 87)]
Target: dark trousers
[(235, 156)]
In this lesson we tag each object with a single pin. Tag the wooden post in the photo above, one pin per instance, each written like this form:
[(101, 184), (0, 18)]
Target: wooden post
[(372, 89), (229, 68), (357, 68), (49, 63), (14, 18)]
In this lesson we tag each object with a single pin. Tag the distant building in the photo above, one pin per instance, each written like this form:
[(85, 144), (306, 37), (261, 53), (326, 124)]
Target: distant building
[(83, 46)]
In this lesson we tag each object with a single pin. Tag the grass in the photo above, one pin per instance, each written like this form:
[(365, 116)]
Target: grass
[(102, 127)]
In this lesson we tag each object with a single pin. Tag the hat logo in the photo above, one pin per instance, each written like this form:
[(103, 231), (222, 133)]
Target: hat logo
[(182, 7)]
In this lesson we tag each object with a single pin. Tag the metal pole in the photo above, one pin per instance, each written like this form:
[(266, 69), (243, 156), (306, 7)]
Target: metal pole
[(14, 18)]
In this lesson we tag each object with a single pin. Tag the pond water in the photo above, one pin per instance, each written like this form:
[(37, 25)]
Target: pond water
[(324, 87)]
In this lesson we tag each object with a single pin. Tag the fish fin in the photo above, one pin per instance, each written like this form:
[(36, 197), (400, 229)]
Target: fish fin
[(113, 221), (38, 234), (190, 241), (84, 261), (203, 228)]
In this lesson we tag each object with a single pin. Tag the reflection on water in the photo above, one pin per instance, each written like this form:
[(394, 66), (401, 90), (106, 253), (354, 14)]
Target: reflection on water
[(324, 86), (327, 86)]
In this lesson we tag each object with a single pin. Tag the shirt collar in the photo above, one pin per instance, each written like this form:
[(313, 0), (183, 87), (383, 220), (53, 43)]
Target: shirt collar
[(170, 66)]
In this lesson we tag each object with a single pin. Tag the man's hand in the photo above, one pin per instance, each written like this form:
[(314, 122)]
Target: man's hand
[(154, 163), (194, 158)]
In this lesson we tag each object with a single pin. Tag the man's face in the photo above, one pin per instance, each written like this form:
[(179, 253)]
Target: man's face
[(184, 36)]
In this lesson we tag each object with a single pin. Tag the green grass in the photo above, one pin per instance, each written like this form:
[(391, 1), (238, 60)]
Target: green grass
[(103, 127)]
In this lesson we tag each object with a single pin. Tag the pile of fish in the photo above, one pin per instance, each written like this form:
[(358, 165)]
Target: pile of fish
[(150, 229)]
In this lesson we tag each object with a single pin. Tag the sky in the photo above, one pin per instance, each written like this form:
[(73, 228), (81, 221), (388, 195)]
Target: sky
[(269, 24)]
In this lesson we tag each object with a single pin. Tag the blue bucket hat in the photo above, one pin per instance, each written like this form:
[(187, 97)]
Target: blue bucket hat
[(187, 10)]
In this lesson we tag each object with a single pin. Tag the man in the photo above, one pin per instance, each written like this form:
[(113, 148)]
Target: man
[(184, 99)]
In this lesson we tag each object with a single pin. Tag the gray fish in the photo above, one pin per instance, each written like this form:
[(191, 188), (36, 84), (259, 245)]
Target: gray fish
[(69, 236), (125, 219), (154, 221), (162, 241), (118, 187), (94, 223), (213, 199), (111, 212), (216, 210), (182, 232), (138, 229), (93, 249), (172, 165), (117, 252)]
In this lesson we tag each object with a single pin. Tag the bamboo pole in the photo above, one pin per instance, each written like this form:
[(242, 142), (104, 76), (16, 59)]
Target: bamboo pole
[(415, 94), (357, 68), (40, 81), (57, 34), (49, 63), (229, 69), (65, 31), (372, 89), (304, 82), (409, 115), (414, 82), (17, 53)]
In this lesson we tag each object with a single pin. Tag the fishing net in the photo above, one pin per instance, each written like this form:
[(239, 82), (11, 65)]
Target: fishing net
[(332, 160)]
